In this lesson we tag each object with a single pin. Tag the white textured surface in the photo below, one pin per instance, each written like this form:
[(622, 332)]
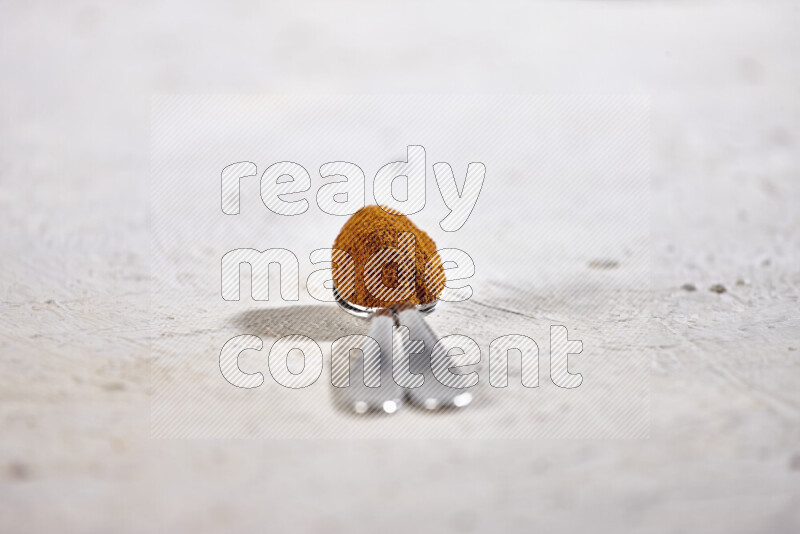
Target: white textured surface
[(74, 375), (568, 185)]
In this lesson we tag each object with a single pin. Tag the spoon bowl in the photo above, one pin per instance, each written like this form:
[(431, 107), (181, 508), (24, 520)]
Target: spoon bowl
[(365, 312)]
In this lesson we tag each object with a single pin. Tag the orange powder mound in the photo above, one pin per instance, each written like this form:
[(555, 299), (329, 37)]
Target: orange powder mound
[(371, 230)]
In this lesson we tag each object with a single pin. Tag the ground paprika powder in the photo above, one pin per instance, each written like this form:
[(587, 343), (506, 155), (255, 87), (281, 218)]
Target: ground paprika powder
[(366, 233)]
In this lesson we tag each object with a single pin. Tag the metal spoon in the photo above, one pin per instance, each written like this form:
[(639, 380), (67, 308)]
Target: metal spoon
[(388, 396), (432, 394)]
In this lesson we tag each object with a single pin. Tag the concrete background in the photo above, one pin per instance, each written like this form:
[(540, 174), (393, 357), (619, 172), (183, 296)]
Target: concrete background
[(567, 188), (76, 452)]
